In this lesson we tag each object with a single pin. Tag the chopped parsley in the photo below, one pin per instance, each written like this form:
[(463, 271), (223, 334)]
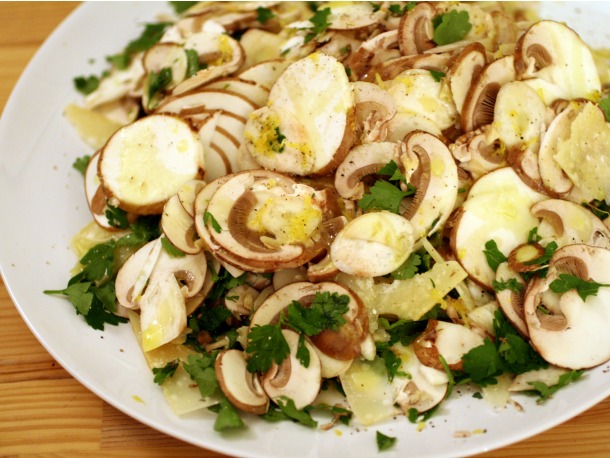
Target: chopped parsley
[(584, 288), (493, 255), (438, 76), (117, 217), (86, 84), (383, 195), (171, 249), (264, 14), (81, 163), (163, 373), (545, 392), (408, 269), (192, 62), (319, 23), (181, 7), (451, 27), (511, 284), (208, 218), (399, 9), (598, 207), (384, 442), (157, 82)]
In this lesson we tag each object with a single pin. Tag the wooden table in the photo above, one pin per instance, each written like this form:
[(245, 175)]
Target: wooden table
[(43, 410)]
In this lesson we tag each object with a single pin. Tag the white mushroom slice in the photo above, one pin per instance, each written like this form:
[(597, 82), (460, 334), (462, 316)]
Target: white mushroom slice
[(94, 193), (145, 163), (266, 221), (187, 194), (429, 166), (416, 31), (166, 55), (464, 69), (353, 16), (497, 208), (416, 91), (255, 93), (585, 157), (361, 161), (265, 73), (524, 160), (231, 57), (422, 390), (285, 277), (519, 115), (374, 108), (478, 153), (290, 378), (208, 99), (240, 300), (241, 387), (404, 123), (134, 274), (118, 84), (179, 227), (260, 46), (372, 50), (509, 300), (389, 69), (482, 317), (554, 179), (572, 332), (449, 340), (346, 343), (306, 127), (552, 51), (567, 223), (481, 98), (373, 244)]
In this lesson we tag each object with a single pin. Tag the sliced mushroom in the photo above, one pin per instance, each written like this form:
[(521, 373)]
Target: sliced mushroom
[(118, 85), (145, 163), (290, 378), (188, 193), (465, 67), (285, 277), (552, 51), (307, 126), (568, 223), (511, 301), (496, 208), (478, 153), (549, 376), (361, 161), (241, 387), (158, 57), (389, 69), (416, 31), (566, 330), (449, 340), (376, 48), (425, 388), (373, 244), (179, 227), (430, 167), (240, 300), (374, 108), (265, 221), (480, 100)]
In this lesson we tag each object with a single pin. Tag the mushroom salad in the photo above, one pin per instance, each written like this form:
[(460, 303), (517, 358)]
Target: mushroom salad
[(349, 208)]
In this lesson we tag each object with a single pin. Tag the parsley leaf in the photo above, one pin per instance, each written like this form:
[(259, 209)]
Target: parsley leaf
[(325, 312), (264, 14), (86, 84), (384, 442), (408, 269), (208, 218), (266, 345), (302, 416), (397, 9), (171, 249), (449, 374), (151, 35), (511, 284), (604, 104), (119, 61), (549, 250), (566, 282), (493, 255), (438, 76), (533, 236), (78, 294), (81, 163), (157, 82), (162, 373), (451, 27), (319, 23), (116, 216), (383, 196), (392, 170), (545, 391), (200, 367), (192, 62), (391, 361), (598, 207), (302, 352), (483, 364), (228, 417)]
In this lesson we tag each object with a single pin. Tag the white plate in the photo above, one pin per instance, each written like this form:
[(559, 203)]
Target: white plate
[(42, 205)]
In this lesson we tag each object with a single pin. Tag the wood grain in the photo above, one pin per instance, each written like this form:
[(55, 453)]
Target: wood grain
[(44, 411)]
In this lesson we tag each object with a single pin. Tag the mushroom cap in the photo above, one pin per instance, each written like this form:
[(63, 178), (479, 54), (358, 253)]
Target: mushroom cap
[(574, 333), (290, 378), (241, 387)]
